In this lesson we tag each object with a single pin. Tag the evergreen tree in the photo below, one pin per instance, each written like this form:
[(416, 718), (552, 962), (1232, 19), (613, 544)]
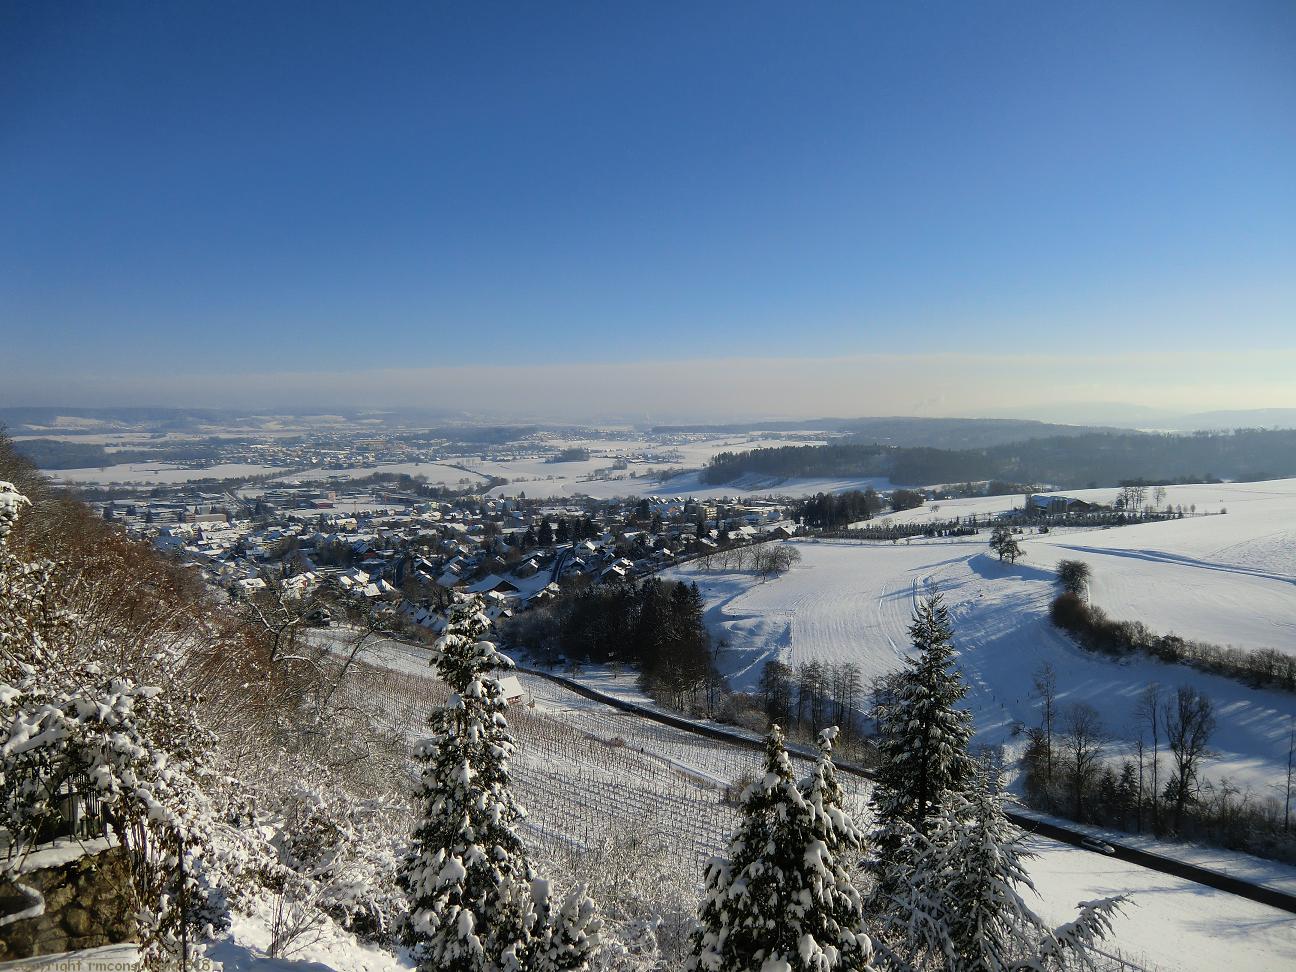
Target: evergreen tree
[(566, 936), (960, 907), (923, 755), (780, 901), (924, 741), (476, 905), (825, 794), (1127, 791), (546, 535)]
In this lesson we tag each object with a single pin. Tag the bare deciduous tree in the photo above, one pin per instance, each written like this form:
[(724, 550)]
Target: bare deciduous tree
[(1046, 689), (1084, 737), (1148, 713), (1189, 717)]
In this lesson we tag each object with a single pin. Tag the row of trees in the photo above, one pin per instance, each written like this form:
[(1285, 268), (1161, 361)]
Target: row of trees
[(1067, 751), (812, 695), (895, 532), (765, 560), (656, 627), (1093, 629), (833, 510), (1069, 771)]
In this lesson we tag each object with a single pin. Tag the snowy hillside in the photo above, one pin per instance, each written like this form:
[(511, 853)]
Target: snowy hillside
[(1223, 578), (585, 771)]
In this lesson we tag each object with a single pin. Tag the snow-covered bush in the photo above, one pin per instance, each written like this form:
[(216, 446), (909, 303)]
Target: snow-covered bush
[(646, 899), (127, 754), (334, 856)]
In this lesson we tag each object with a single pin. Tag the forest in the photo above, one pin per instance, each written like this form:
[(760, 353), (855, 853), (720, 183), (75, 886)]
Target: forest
[(1093, 459)]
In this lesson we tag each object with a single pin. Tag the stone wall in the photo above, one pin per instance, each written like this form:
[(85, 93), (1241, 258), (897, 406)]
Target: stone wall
[(88, 903)]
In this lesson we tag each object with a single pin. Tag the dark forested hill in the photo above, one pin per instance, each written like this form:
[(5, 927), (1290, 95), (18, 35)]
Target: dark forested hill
[(1063, 461), (937, 433)]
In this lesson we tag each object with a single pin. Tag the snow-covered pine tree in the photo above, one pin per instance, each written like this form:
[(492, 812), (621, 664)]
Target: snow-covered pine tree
[(841, 910), (924, 746), (923, 750), (472, 890), (825, 793), (780, 902), (960, 907)]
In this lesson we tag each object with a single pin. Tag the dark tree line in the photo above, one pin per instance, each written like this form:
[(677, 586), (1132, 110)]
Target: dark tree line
[(832, 510), (1067, 461), (904, 531), (656, 627)]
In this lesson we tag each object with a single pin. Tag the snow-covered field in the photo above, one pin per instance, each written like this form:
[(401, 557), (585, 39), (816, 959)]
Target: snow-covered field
[(1257, 533), (157, 473), (1170, 923), (685, 484), (435, 473), (1218, 578)]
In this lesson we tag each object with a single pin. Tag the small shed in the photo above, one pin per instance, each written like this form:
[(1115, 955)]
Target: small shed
[(513, 690)]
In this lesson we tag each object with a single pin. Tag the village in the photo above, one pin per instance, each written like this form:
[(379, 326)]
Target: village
[(408, 554)]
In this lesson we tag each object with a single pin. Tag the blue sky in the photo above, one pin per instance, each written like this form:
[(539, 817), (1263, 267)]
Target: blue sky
[(216, 190)]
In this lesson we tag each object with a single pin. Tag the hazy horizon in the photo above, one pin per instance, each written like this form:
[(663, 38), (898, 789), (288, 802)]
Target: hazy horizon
[(710, 213), (1049, 388)]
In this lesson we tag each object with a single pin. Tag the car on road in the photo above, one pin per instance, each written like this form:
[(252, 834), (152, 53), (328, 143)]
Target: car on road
[(1094, 844)]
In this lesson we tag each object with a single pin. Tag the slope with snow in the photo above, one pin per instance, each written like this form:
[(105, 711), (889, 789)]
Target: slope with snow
[(584, 769), (1220, 578)]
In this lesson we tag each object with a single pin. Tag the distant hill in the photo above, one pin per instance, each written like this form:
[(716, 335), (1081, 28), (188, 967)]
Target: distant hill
[(936, 433), (1256, 418), (69, 420), (1123, 415), (1088, 459), (73, 420)]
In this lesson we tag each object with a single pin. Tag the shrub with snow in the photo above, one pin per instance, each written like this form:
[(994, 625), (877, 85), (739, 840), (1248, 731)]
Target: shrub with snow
[(128, 753)]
